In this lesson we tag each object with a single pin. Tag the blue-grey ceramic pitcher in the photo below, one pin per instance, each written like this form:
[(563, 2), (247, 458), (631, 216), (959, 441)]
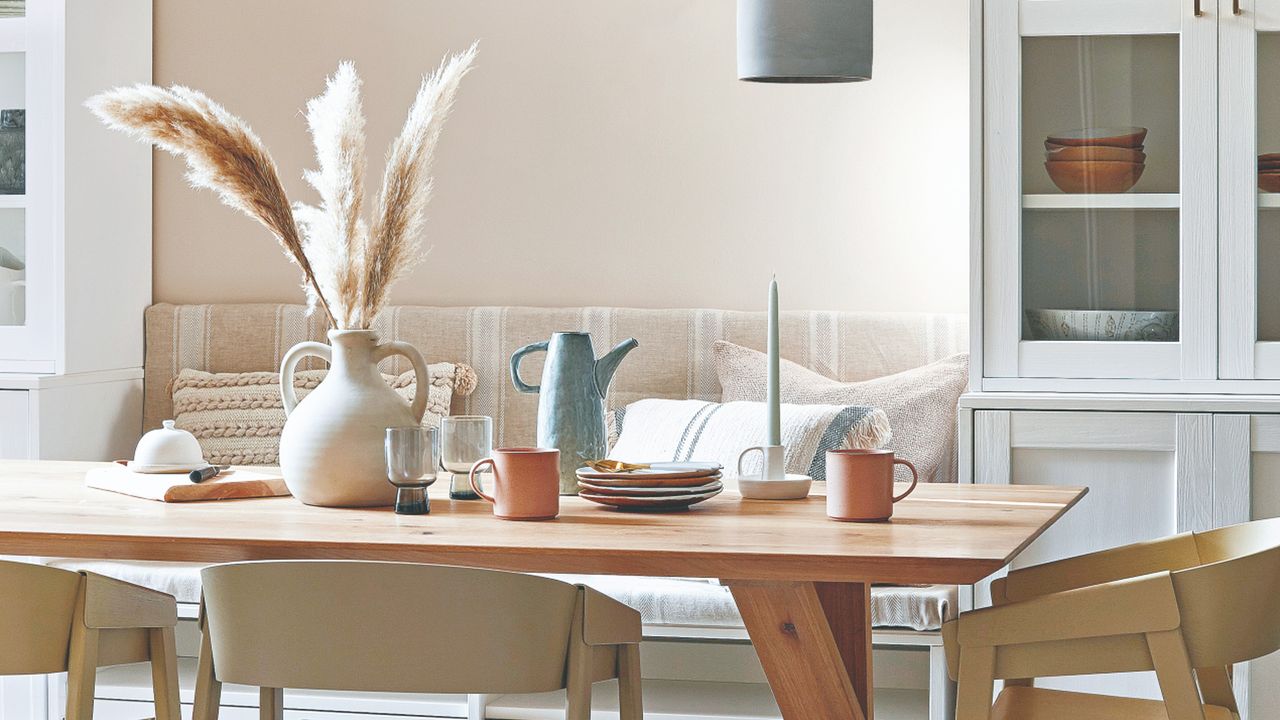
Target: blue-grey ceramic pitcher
[(571, 406)]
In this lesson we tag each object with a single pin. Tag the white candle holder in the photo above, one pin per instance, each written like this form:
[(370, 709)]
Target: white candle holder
[(774, 483)]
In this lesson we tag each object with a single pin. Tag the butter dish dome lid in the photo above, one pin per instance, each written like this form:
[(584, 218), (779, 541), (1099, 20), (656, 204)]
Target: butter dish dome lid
[(167, 450)]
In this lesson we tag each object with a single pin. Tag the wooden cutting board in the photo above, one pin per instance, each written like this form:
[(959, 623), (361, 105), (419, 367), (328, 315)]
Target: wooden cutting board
[(236, 482)]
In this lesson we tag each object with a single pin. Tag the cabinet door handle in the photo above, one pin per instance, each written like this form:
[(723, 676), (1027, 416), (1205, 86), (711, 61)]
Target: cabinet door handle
[(1199, 11), (1235, 8)]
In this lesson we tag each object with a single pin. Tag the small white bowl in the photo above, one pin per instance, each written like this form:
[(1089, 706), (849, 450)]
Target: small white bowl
[(167, 450), (794, 487)]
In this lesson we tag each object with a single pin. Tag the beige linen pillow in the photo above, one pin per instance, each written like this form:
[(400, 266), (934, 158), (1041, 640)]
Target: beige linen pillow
[(921, 402), (237, 417)]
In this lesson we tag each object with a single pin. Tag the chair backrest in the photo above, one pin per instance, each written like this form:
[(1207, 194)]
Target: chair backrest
[(1229, 604), (37, 604), (388, 627)]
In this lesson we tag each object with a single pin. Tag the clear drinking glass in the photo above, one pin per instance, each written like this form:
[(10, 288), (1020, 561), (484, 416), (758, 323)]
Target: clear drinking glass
[(467, 439), (413, 454)]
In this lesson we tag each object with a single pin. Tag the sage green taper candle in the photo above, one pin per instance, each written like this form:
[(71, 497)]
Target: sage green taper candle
[(772, 396)]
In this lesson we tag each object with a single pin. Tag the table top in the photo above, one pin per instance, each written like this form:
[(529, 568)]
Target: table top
[(942, 533)]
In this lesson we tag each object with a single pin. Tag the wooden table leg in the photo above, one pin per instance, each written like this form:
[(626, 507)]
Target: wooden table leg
[(814, 641)]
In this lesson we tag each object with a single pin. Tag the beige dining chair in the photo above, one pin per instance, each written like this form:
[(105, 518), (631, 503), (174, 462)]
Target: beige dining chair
[(1187, 607), (54, 620), (403, 627)]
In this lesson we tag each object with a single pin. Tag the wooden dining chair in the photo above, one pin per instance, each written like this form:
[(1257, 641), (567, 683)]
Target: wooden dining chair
[(54, 620), (403, 627), (1187, 607)]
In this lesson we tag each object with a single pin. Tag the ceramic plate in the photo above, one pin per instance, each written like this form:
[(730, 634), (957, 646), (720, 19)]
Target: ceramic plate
[(1114, 136), (650, 481), (657, 470), (669, 502), (624, 491)]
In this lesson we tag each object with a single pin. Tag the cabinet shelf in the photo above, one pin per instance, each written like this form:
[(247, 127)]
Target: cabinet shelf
[(10, 202), (1140, 201), (1269, 200)]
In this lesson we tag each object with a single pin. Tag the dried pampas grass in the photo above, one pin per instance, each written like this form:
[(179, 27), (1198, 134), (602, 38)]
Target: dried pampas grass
[(348, 266), (222, 154)]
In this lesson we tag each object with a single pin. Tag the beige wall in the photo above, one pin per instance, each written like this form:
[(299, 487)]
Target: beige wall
[(602, 153)]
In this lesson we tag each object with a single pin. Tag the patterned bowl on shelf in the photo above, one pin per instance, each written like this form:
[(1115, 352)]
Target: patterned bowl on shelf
[(1104, 325)]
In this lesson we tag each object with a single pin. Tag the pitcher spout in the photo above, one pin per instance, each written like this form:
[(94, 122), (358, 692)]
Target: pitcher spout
[(607, 365)]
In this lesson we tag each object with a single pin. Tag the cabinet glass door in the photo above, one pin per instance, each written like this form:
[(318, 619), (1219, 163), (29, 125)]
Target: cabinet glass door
[(1098, 199), (1250, 198)]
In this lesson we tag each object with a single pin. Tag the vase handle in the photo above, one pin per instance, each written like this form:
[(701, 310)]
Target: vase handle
[(423, 382), (291, 359)]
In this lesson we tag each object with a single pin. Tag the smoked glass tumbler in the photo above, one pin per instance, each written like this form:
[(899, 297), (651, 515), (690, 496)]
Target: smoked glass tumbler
[(466, 440), (413, 454)]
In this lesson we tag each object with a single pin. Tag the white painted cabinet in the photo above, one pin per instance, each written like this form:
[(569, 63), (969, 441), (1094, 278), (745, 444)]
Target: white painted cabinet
[(1150, 475), (1149, 268)]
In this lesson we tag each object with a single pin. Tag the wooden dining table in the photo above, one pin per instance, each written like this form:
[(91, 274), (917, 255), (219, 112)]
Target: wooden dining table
[(801, 581)]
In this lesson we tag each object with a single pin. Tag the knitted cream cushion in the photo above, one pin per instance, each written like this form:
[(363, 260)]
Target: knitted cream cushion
[(697, 430), (921, 403), (237, 417)]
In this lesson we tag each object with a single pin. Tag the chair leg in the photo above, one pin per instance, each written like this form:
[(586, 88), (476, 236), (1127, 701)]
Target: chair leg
[(1216, 688), (1175, 675), (271, 703), (976, 683), (630, 697), (82, 671), (164, 673), (578, 672), (208, 690)]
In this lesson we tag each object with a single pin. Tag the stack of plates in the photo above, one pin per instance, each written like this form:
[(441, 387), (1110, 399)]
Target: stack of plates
[(1096, 160), (661, 486)]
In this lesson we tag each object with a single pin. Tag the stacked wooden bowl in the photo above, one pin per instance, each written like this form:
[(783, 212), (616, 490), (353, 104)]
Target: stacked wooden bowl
[(1269, 172), (1096, 160)]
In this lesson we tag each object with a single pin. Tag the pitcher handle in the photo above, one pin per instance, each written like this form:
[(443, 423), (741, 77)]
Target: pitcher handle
[(521, 385), (290, 362), (420, 391), (915, 477)]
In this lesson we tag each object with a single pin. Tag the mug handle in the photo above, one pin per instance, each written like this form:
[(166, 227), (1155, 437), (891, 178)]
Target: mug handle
[(471, 478), (915, 477), (747, 452)]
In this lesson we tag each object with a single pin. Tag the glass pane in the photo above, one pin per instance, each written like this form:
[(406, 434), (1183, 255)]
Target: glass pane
[(1100, 180), (1268, 188), (13, 236)]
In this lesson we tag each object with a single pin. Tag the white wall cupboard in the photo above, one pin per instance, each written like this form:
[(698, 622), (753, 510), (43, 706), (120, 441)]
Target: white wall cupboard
[(1195, 239), (75, 231)]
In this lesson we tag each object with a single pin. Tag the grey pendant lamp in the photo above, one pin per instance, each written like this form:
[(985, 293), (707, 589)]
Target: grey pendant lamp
[(804, 41)]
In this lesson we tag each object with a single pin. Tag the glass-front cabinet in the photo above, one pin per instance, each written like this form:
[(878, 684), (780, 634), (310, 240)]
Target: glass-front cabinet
[(1100, 189)]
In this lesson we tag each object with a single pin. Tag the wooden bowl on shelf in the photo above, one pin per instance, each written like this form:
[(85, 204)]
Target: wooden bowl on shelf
[(1085, 176), (1095, 152), (1269, 181)]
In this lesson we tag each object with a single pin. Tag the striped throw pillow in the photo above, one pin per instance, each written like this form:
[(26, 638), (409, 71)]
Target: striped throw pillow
[(684, 430)]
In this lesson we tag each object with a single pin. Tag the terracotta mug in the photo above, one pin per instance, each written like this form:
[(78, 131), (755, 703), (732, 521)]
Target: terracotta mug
[(860, 484), (526, 483)]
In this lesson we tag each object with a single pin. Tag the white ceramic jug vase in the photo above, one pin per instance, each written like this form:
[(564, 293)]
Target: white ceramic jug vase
[(331, 449)]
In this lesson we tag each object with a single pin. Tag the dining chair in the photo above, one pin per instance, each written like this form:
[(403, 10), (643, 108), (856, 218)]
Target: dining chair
[(404, 627), (1187, 607), (54, 620)]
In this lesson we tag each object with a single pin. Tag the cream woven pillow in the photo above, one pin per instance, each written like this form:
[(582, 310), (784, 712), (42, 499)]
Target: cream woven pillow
[(237, 417), (921, 402)]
